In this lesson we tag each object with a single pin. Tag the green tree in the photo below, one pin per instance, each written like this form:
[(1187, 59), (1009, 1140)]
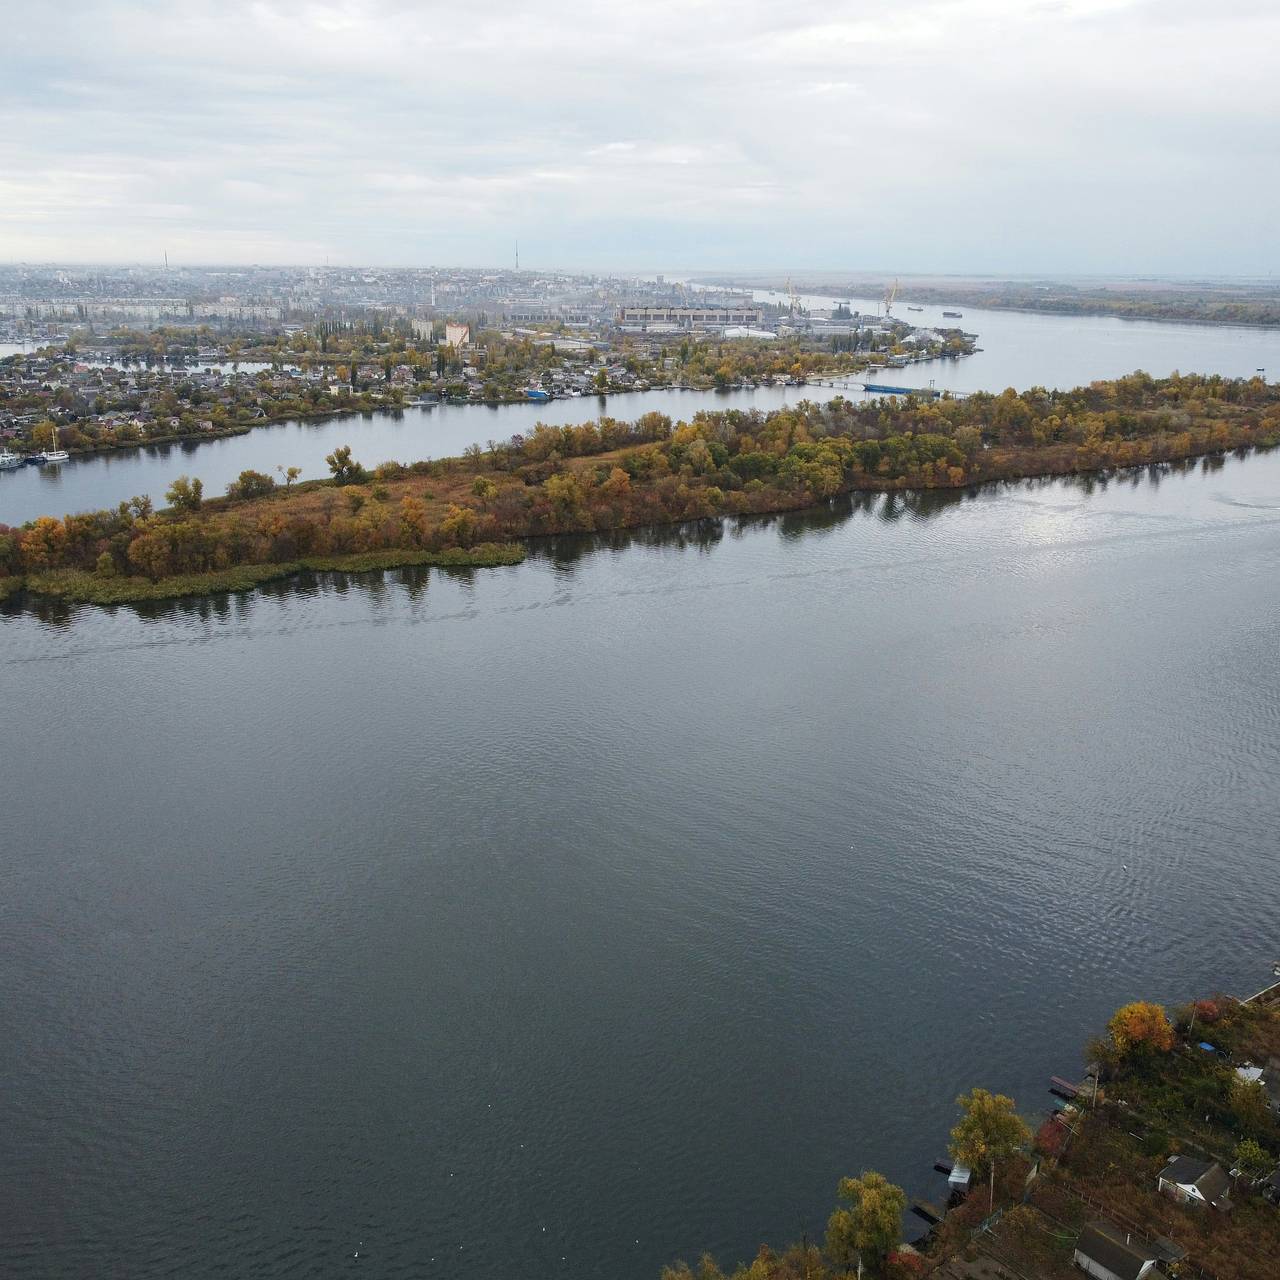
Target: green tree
[(345, 469), (1251, 1159), (1250, 1106), (185, 494), (870, 1227), (989, 1130)]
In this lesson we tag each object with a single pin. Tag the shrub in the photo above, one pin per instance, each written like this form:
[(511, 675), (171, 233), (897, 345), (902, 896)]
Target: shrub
[(250, 484)]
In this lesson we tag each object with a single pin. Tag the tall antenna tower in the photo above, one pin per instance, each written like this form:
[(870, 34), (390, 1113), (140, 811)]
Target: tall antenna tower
[(517, 255)]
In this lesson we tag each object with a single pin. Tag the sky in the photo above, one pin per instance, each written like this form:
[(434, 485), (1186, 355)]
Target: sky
[(1003, 136)]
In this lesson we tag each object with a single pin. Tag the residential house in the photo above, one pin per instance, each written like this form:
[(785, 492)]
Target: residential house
[(1196, 1182), (1106, 1252)]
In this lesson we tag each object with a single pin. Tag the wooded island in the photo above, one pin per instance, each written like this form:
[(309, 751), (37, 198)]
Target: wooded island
[(611, 474)]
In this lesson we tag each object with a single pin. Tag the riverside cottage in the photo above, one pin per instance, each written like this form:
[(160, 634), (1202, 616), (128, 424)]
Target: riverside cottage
[(1196, 1183)]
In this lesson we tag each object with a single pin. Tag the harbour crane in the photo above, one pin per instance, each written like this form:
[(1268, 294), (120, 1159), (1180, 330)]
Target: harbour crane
[(890, 294), (796, 308)]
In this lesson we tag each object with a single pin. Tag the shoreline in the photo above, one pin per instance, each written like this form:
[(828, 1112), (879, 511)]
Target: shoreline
[(78, 587), (859, 362)]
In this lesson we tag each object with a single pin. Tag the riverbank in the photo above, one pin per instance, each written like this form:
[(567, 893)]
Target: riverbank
[(1168, 1145), (614, 475)]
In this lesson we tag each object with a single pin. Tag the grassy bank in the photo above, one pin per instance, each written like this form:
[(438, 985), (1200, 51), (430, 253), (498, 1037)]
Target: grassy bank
[(80, 587)]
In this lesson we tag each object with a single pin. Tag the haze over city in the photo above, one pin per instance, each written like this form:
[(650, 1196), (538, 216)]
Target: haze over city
[(977, 135)]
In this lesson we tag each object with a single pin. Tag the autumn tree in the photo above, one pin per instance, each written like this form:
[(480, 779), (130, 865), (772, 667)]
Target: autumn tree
[(45, 434), (1140, 1026), (990, 1130), (414, 525), (43, 543), (185, 494), (868, 1226)]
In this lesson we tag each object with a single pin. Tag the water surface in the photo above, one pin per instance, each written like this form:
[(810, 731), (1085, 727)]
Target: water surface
[(566, 918)]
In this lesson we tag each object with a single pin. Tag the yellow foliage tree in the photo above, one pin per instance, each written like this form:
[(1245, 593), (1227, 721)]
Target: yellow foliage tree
[(1140, 1025)]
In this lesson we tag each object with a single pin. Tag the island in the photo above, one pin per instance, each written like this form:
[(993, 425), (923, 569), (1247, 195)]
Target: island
[(613, 474)]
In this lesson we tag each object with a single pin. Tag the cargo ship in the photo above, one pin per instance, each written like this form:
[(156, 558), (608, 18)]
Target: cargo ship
[(536, 393), (952, 315)]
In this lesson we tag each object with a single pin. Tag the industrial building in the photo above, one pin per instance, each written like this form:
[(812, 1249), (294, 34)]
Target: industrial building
[(691, 317)]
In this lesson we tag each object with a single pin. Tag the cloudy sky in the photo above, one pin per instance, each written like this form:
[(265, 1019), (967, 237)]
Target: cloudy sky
[(929, 135)]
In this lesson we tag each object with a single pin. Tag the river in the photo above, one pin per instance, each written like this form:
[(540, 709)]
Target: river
[(1019, 350), (562, 919)]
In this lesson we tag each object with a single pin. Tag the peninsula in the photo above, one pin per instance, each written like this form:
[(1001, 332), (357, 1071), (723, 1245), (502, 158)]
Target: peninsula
[(611, 474)]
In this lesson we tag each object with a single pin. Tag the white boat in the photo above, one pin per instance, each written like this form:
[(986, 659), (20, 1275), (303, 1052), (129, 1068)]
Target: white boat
[(9, 460), (55, 455)]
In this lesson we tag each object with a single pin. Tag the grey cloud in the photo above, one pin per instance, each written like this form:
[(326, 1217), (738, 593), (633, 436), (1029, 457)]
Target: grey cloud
[(970, 134)]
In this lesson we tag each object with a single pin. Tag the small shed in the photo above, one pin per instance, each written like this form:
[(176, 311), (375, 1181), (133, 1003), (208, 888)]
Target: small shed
[(959, 1177), (1106, 1252)]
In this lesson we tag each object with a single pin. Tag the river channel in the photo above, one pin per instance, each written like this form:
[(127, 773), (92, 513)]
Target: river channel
[(1018, 350), (563, 919)]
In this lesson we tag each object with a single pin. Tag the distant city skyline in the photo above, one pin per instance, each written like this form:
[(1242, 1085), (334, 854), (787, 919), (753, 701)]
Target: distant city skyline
[(1082, 137)]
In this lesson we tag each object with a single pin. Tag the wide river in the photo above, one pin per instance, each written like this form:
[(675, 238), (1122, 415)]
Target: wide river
[(562, 919), (1018, 350)]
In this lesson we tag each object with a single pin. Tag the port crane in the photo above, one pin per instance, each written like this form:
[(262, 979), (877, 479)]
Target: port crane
[(890, 295), (794, 296)]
